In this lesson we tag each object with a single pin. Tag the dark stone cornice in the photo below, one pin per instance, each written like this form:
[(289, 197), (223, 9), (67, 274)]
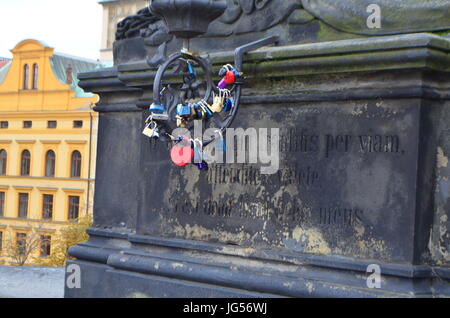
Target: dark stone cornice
[(421, 52)]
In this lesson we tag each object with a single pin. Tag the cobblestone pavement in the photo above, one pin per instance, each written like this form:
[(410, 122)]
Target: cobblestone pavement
[(31, 282)]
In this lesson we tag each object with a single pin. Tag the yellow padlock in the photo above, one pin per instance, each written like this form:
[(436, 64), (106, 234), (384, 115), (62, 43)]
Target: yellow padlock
[(217, 105)]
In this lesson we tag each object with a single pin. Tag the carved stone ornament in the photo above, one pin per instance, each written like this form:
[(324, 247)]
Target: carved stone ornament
[(187, 18)]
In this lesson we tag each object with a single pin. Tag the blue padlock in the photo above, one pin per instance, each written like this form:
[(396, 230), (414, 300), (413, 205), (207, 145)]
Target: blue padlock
[(183, 110), (157, 109), (228, 105), (191, 70)]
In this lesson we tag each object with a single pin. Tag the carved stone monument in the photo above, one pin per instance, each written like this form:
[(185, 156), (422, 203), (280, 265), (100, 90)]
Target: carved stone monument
[(364, 177)]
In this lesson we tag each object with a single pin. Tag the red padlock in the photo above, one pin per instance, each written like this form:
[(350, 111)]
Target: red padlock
[(182, 155), (230, 78)]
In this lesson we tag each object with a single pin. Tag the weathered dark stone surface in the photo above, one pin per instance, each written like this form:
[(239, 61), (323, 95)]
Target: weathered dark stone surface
[(346, 176), (293, 21), (397, 16), (313, 228)]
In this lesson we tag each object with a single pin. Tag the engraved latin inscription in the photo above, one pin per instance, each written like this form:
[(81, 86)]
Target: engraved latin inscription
[(281, 212), (306, 177)]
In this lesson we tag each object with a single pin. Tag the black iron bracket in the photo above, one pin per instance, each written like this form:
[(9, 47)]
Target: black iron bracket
[(241, 51)]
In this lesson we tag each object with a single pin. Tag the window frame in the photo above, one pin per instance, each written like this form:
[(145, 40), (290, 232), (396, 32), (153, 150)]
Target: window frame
[(45, 243), (27, 124), (47, 205), (25, 163), (2, 203), (26, 77), (35, 76), (3, 162), (50, 163), (71, 206), (76, 165), (24, 236), (19, 209), (77, 124), (53, 122)]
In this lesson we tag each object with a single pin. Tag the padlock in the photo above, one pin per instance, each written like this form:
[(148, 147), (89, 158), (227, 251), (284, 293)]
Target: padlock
[(151, 132), (228, 104), (157, 109), (230, 77), (206, 108), (217, 106), (183, 110), (222, 84), (203, 166), (191, 70), (182, 155), (199, 113), (181, 122)]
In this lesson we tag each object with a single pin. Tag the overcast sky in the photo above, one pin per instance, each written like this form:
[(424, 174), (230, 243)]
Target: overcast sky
[(69, 26)]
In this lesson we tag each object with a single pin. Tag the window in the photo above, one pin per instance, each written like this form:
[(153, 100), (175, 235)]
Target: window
[(3, 159), (4, 124), (75, 171), (21, 243), (27, 124), (2, 204), (50, 164), (51, 124), (74, 207), (46, 245), (25, 163), (35, 76), (1, 241), (23, 205), (47, 207), (77, 124), (26, 76)]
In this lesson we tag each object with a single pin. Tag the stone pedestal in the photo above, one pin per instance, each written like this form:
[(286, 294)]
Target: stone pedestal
[(363, 179)]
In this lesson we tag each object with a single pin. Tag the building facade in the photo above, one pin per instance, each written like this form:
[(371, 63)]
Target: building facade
[(47, 146), (113, 12)]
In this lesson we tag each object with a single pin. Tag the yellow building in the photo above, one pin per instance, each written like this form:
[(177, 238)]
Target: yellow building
[(47, 146), (113, 12)]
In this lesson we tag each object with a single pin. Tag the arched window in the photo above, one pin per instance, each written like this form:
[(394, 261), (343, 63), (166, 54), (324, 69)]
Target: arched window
[(25, 163), (50, 164), (35, 76), (76, 164), (3, 159), (26, 76)]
